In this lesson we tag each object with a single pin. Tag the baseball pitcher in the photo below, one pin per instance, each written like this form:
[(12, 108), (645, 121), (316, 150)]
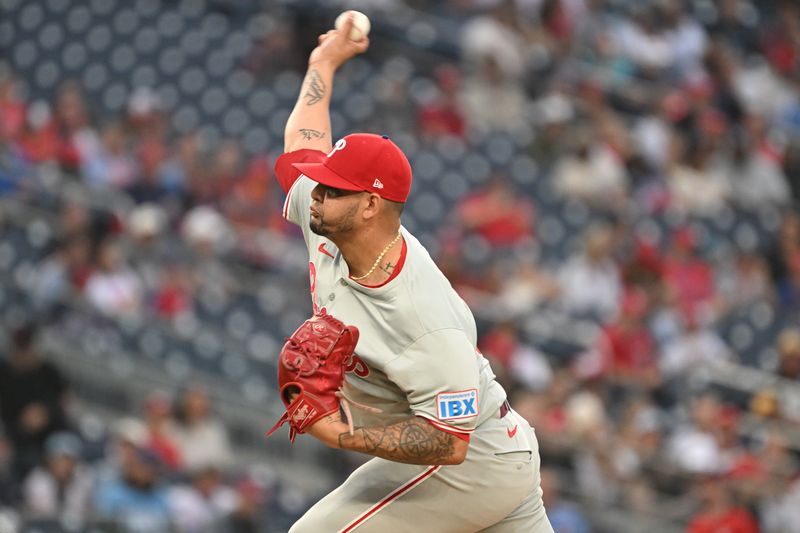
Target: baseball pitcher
[(388, 364)]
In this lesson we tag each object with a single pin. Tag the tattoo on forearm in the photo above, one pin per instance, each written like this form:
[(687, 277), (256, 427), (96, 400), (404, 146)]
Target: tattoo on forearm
[(311, 134), (412, 441), (315, 88)]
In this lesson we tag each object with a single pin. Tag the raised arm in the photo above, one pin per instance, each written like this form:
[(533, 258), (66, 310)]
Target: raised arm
[(309, 125)]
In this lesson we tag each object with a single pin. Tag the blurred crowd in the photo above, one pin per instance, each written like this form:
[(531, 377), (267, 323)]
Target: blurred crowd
[(167, 470), (655, 110)]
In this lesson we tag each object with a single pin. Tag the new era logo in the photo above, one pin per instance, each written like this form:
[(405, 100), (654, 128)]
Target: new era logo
[(453, 405), (377, 184)]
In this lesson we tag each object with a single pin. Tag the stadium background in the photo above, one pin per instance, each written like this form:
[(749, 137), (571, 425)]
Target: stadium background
[(610, 184)]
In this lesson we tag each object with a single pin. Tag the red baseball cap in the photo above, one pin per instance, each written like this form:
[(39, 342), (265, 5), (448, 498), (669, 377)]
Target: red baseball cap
[(363, 162)]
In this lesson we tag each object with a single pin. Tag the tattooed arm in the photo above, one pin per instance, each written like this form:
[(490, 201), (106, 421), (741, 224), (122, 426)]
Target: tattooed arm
[(309, 125), (413, 441)]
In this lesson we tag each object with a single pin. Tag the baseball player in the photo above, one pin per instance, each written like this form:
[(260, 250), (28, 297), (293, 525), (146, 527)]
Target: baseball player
[(450, 454)]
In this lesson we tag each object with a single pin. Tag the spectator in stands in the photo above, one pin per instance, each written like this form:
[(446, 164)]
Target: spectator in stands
[(689, 278), (627, 350), (443, 116), (755, 173), (113, 164), (563, 516), (162, 434), (718, 512), (135, 500), (61, 488), (75, 139), (173, 297), (590, 280), (8, 487), (785, 248), (788, 347), (33, 394), (128, 436), (593, 172), (61, 275), (695, 188), (184, 166), (744, 281), (250, 500), (497, 214), (201, 437), (113, 288), (692, 446), (699, 346), (203, 504)]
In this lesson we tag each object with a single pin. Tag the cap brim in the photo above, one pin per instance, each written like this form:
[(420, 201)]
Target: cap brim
[(322, 174)]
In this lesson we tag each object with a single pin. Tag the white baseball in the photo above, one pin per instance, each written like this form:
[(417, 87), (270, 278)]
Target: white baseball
[(361, 25)]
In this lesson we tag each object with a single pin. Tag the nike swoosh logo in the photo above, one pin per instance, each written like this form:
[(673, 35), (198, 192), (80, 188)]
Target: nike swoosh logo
[(324, 251), (512, 432)]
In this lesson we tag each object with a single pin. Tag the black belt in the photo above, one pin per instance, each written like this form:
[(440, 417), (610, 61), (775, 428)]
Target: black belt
[(504, 408)]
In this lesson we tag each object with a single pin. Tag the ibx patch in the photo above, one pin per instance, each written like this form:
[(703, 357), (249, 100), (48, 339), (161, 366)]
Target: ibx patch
[(455, 405)]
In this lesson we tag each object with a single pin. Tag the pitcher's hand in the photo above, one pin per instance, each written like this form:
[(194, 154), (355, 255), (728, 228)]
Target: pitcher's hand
[(335, 48)]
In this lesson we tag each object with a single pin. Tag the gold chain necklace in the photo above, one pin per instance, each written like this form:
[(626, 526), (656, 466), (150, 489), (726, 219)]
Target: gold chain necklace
[(378, 260)]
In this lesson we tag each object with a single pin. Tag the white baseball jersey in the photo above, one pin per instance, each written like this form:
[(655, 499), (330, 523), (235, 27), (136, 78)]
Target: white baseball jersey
[(416, 353)]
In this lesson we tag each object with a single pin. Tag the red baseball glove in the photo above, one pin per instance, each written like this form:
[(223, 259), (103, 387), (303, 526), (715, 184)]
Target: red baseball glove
[(312, 364)]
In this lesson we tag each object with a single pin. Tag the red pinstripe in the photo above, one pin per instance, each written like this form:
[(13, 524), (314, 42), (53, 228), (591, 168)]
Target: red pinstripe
[(369, 513)]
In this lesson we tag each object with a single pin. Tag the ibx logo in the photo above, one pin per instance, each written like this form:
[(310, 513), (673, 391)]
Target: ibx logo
[(455, 405)]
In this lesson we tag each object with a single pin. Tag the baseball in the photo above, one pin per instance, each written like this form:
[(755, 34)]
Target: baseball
[(361, 24)]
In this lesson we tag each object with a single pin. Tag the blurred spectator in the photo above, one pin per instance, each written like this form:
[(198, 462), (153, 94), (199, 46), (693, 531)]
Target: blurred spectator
[(135, 500), (745, 280), (786, 247), (692, 446), (590, 280), (61, 488), (203, 504), (13, 110), (113, 288), (524, 288), (184, 166), (626, 347), (8, 487), (698, 347), (201, 437), (173, 296), (755, 173), (76, 140), (718, 511), (443, 114), (788, 347), (128, 436), (689, 278), (593, 172), (563, 516), (32, 398), (162, 433), (250, 500), (112, 165), (62, 274), (497, 214), (695, 187)]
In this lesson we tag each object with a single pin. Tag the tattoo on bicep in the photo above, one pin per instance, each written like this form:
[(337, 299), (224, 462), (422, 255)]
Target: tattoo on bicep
[(315, 89), (412, 441), (309, 135)]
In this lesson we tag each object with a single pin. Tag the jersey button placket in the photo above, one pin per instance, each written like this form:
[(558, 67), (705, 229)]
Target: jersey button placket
[(332, 297)]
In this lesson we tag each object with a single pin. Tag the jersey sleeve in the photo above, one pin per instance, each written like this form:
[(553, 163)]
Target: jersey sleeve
[(439, 374), (296, 186)]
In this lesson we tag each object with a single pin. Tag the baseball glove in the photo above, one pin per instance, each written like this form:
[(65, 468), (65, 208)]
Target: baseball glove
[(312, 364)]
